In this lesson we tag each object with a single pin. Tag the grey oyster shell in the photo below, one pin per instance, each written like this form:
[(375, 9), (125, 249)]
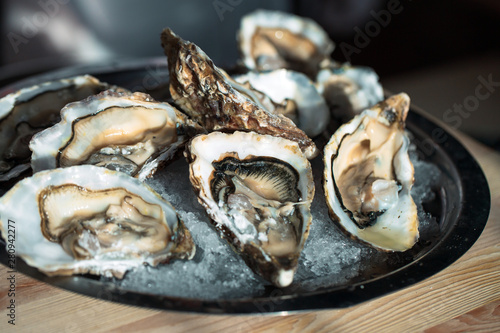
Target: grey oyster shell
[(286, 87), (368, 177), (271, 40), (88, 219), (32, 109), (257, 189), (129, 132)]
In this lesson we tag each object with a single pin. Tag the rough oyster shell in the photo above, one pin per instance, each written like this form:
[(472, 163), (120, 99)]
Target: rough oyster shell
[(284, 87), (87, 219), (257, 190), (122, 131), (271, 40), (368, 177), (32, 109), (204, 93)]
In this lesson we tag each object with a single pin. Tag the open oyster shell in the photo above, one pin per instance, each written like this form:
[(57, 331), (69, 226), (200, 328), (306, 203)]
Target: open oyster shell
[(205, 94), (271, 40), (349, 90), (257, 190), (368, 177), (128, 132), (88, 219), (285, 88), (32, 109)]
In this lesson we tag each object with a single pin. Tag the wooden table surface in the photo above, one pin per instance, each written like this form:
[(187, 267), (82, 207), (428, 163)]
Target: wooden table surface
[(463, 297)]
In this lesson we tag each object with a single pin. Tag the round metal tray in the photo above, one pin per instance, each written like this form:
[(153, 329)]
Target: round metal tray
[(461, 207)]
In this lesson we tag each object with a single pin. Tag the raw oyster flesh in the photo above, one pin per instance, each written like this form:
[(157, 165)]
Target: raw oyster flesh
[(88, 219), (294, 95), (271, 40), (368, 177), (204, 93), (257, 190), (128, 132), (30, 110)]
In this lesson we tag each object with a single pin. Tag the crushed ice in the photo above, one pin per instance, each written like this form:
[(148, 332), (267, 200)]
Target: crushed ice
[(328, 259)]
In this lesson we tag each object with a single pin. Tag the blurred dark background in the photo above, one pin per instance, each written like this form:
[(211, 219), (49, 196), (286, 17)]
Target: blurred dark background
[(439, 52)]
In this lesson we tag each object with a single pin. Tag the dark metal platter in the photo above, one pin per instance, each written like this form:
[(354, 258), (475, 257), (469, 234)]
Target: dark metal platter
[(461, 207)]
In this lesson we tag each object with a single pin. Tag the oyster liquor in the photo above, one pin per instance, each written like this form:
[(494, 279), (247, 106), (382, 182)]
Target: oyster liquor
[(11, 273)]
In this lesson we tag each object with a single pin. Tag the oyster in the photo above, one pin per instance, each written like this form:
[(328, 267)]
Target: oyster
[(349, 90), (259, 98), (258, 190), (30, 110), (204, 93), (88, 219), (272, 40), (369, 175), (128, 132), (292, 91)]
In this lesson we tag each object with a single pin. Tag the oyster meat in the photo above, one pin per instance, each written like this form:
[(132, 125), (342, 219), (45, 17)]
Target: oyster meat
[(30, 110), (257, 190), (349, 90), (294, 95), (204, 93), (368, 177), (128, 132), (88, 219), (271, 40)]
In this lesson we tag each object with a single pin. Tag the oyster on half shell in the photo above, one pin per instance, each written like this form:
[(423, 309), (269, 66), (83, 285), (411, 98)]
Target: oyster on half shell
[(88, 219), (257, 190), (32, 109), (348, 90), (368, 177), (129, 132), (294, 95), (205, 93), (271, 40)]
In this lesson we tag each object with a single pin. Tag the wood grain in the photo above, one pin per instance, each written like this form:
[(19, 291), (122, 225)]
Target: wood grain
[(463, 297), (483, 319)]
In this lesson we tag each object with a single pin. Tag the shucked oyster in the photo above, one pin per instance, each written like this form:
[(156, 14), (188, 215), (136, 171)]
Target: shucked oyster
[(272, 40), (369, 175), (349, 90), (87, 219), (30, 110), (295, 93), (204, 92), (258, 190), (122, 131)]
